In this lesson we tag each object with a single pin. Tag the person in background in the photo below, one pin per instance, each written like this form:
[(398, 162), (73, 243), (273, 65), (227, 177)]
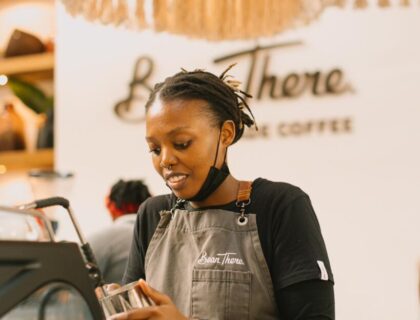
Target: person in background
[(111, 246)]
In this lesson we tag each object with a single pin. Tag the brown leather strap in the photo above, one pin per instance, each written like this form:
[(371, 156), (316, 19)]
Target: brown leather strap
[(244, 191)]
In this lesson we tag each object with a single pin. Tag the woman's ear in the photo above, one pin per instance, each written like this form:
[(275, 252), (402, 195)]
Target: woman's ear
[(228, 133)]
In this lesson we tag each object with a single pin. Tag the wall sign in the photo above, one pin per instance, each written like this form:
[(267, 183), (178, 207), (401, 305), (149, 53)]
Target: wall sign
[(261, 83)]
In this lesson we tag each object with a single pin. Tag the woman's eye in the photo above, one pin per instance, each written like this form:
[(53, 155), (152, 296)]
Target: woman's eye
[(182, 145), (155, 151)]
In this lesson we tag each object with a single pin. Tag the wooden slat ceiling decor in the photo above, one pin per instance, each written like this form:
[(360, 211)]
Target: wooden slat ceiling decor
[(214, 19)]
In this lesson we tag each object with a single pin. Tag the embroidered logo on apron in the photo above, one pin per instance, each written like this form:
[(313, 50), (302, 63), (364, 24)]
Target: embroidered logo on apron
[(220, 258)]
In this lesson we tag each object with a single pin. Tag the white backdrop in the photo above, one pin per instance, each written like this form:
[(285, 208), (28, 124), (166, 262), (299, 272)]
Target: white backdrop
[(361, 171)]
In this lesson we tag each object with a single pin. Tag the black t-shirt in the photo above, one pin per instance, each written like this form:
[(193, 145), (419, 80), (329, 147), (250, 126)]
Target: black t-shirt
[(288, 229)]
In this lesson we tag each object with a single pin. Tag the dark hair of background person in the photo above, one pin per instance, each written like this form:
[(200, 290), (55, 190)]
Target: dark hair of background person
[(225, 102), (126, 196)]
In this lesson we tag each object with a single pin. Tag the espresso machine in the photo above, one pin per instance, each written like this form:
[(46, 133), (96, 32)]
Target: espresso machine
[(40, 278)]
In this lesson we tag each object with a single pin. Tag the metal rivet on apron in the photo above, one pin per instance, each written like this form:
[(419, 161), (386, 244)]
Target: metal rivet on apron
[(242, 220)]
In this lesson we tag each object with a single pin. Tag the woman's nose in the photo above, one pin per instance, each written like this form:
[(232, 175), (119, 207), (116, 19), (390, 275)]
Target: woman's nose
[(168, 160)]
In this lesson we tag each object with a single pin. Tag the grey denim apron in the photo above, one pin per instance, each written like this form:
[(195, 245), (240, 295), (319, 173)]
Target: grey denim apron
[(211, 264)]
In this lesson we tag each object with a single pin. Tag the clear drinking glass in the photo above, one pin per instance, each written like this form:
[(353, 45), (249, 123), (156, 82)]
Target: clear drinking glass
[(126, 298)]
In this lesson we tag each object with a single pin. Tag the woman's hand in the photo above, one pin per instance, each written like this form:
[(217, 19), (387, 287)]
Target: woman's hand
[(164, 308)]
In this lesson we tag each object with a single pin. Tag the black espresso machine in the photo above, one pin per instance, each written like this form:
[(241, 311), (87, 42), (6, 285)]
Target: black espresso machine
[(40, 278)]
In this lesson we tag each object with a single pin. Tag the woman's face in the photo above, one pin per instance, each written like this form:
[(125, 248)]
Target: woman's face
[(182, 139)]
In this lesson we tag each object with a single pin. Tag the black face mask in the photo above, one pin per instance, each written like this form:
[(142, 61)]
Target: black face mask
[(214, 179)]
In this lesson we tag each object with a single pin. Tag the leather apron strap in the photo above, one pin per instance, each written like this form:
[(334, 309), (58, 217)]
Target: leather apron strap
[(244, 192)]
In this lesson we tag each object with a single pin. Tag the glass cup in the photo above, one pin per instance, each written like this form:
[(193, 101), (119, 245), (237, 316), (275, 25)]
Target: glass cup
[(126, 298)]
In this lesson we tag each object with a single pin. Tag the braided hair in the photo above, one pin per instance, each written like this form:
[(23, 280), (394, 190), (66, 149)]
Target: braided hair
[(225, 101)]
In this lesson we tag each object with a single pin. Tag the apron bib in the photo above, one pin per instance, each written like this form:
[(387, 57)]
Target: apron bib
[(211, 264)]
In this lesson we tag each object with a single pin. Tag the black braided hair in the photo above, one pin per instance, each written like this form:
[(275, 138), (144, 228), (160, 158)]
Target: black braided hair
[(224, 102), (130, 191)]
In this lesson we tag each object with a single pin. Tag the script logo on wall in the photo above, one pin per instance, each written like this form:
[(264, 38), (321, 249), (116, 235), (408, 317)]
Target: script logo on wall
[(263, 84), (131, 109), (290, 85)]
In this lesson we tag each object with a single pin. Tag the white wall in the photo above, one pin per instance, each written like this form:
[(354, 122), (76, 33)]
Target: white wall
[(363, 182)]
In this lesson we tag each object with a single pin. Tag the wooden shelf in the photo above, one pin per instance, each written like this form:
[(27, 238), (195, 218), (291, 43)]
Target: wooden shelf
[(34, 63), (32, 67), (22, 160)]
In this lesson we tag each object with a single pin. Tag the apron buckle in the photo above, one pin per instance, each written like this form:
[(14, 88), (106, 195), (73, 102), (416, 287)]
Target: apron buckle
[(178, 204), (242, 219), (243, 199)]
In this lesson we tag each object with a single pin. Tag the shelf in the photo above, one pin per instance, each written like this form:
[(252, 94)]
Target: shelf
[(23, 160), (34, 63)]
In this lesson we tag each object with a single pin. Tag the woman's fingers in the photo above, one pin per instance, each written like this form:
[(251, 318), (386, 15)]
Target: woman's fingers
[(142, 313), (157, 297), (164, 308), (99, 293), (166, 312)]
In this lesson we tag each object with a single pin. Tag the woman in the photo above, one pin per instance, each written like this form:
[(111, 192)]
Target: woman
[(217, 247)]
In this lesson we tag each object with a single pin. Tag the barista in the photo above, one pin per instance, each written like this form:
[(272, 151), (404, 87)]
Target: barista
[(217, 247)]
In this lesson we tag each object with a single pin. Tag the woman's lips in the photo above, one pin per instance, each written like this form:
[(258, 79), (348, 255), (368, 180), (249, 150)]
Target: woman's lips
[(176, 181)]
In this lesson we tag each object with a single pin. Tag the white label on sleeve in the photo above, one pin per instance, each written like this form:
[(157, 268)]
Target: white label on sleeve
[(324, 273)]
